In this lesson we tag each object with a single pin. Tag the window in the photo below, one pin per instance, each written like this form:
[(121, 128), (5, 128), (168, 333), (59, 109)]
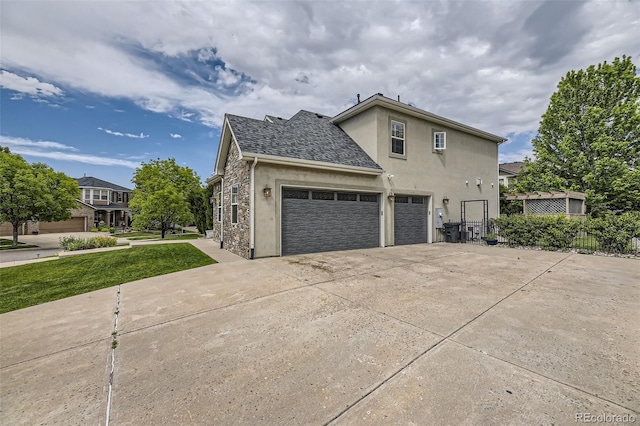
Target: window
[(397, 137), (101, 194), (439, 141), (219, 206), (120, 196), (234, 203)]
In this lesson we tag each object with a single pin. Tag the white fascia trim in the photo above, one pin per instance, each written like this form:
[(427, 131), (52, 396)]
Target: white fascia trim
[(295, 162), (218, 170), (415, 112)]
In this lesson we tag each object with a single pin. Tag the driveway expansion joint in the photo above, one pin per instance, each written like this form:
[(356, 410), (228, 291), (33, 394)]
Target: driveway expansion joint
[(114, 345), (440, 342), (538, 374)]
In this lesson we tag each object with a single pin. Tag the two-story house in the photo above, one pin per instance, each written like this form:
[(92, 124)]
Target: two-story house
[(381, 173), (110, 202), (101, 204)]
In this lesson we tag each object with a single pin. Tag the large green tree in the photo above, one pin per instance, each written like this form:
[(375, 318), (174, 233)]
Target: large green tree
[(589, 138), (200, 205), (33, 192), (161, 195)]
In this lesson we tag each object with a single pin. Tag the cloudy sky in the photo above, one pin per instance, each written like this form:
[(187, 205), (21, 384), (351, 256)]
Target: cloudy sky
[(96, 87)]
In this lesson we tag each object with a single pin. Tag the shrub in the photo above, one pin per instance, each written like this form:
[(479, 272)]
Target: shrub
[(76, 243), (615, 233), (112, 230), (554, 231), (94, 229), (104, 229)]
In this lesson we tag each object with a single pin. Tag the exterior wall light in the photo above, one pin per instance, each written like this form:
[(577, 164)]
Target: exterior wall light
[(267, 191), (391, 197), (445, 200)]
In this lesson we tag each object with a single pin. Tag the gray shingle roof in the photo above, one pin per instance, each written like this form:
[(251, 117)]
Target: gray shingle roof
[(99, 183), (512, 168), (305, 136)]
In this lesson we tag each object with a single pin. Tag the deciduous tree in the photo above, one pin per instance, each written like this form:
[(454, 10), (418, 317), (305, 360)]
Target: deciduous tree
[(589, 138), (160, 198), (33, 192)]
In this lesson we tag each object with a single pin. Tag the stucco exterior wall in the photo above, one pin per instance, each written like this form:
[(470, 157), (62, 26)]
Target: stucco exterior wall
[(236, 235), (267, 210), (452, 172)]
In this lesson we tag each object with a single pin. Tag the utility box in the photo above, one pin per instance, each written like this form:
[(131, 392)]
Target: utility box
[(452, 232), (439, 217)]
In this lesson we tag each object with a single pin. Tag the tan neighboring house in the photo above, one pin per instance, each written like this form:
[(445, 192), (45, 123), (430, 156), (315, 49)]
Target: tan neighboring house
[(102, 204), (380, 173), (508, 172)]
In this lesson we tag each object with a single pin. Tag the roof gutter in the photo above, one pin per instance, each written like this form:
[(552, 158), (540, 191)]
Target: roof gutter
[(295, 162), (252, 208)]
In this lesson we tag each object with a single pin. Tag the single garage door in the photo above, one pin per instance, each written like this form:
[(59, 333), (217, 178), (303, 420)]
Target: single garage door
[(319, 220), (409, 220), (75, 224)]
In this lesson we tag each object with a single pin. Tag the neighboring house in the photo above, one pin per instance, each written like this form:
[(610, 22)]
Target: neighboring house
[(102, 204), (508, 172), (381, 173), (109, 201)]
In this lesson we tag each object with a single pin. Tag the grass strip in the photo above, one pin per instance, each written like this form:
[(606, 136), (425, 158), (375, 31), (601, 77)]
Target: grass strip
[(36, 283)]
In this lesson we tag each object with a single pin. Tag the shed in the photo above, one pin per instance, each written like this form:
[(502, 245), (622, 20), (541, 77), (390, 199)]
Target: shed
[(569, 203)]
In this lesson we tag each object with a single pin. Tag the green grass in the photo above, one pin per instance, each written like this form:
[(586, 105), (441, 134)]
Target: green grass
[(6, 244), (36, 283)]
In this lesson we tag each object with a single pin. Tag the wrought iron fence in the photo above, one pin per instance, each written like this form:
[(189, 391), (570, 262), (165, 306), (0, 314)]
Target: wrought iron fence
[(479, 231)]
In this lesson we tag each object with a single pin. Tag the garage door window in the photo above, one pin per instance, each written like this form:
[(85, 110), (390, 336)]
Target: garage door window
[(322, 195), (403, 200), (417, 200), (234, 203), (299, 195), (347, 197), (369, 198)]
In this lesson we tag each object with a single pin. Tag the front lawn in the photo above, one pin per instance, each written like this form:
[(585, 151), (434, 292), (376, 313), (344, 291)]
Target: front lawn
[(157, 235), (6, 244), (36, 283)]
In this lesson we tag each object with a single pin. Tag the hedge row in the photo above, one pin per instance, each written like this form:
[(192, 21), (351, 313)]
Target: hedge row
[(76, 243), (614, 233)]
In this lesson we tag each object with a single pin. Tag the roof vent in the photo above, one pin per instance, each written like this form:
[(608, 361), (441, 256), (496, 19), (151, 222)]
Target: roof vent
[(358, 95), (319, 115)]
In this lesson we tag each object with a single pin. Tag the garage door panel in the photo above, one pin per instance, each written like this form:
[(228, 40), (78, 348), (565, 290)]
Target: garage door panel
[(310, 226), (410, 223), (75, 224)]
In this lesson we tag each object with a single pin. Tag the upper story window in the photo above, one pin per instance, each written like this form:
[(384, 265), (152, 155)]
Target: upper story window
[(397, 137), (439, 141), (234, 203), (119, 196), (101, 194)]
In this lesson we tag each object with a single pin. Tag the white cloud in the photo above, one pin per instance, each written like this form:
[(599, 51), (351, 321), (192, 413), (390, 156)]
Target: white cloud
[(89, 107), (129, 135), (59, 151), (175, 135), (490, 64), (22, 142), (28, 85)]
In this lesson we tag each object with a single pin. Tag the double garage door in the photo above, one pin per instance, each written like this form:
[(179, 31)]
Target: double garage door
[(75, 224), (320, 220)]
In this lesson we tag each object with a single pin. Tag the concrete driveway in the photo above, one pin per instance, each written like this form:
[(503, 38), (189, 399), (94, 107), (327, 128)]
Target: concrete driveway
[(425, 334)]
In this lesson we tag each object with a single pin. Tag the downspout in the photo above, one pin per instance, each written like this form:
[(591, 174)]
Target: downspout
[(222, 213), (252, 207)]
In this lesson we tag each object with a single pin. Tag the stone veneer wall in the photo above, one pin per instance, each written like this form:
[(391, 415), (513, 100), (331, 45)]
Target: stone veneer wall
[(236, 235), (214, 206)]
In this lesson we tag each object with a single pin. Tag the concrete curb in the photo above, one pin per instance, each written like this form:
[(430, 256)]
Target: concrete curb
[(96, 250)]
